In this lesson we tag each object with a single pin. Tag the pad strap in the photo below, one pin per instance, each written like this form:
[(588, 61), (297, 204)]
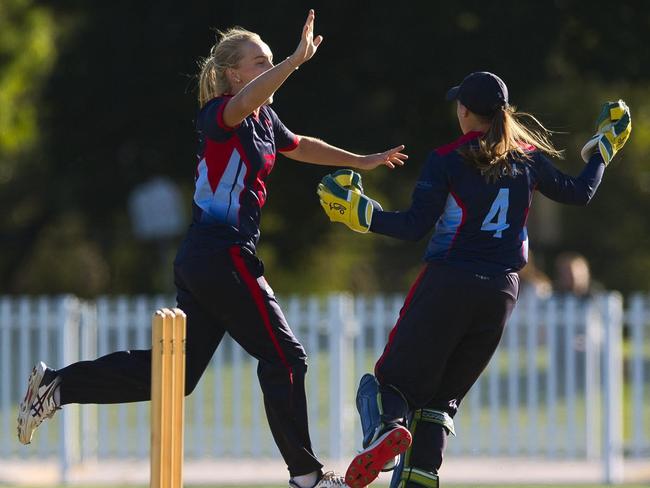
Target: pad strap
[(419, 476), (436, 417)]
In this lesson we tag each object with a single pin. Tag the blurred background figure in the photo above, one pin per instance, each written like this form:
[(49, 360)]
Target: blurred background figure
[(572, 274)]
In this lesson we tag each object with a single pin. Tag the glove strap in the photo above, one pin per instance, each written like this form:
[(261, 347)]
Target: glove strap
[(590, 148)]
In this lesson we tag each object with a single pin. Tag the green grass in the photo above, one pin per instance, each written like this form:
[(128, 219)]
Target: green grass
[(468, 486), (379, 485)]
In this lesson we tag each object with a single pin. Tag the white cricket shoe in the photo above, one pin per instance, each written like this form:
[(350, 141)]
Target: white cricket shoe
[(38, 403), (327, 480)]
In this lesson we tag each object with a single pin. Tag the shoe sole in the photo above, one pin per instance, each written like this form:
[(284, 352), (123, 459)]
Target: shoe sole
[(26, 422), (366, 466), (390, 465)]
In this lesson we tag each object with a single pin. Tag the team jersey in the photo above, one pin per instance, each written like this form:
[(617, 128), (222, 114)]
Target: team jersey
[(233, 165), (479, 225)]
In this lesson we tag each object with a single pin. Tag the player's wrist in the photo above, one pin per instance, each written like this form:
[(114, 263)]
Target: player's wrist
[(292, 62), (358, 161)]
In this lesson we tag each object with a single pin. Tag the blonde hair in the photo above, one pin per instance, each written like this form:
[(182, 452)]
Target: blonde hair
[(226, 53), (509, 137)]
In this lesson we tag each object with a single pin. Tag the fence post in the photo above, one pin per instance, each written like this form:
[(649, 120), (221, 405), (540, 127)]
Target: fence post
[(7, 357), (636, 321), (530, 304), (593, 389), (613, 382), (68, 318), (551, 318), (340, 313), (88, 350)]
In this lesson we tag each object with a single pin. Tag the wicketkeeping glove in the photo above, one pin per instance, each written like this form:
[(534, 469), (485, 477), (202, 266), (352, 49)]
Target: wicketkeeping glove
[(341, 196), (348, 179), (614, 126)]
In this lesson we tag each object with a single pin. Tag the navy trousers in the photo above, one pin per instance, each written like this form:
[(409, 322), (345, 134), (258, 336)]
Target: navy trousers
[(221, 291), (447, 331)]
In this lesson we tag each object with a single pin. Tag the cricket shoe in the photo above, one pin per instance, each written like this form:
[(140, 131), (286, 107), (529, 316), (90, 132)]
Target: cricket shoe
[(365, 467), (327, 480), (39, 403), (393, 462)]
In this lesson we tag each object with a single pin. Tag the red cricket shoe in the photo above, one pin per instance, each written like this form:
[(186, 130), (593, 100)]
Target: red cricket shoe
[(365, 467)]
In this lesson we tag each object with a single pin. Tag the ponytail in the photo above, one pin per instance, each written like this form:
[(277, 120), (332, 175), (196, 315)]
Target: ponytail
[(226, 53), (510, 136)]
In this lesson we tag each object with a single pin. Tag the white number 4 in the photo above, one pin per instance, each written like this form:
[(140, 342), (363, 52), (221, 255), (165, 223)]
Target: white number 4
[(495, 220)]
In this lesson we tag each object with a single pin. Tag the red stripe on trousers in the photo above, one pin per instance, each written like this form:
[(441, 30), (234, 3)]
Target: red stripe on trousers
[(407, 302), (254, 287)]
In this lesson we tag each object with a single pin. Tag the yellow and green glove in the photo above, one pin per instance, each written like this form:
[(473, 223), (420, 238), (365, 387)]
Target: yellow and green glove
[(341, 196), (613, 128), (348, 179)]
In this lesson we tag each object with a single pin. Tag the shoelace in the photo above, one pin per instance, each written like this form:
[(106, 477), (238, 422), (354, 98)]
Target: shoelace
[(51, 414), (333, 478), (44, 406)]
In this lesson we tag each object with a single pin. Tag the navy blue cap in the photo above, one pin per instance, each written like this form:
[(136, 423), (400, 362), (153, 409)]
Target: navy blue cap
[(481, 92)]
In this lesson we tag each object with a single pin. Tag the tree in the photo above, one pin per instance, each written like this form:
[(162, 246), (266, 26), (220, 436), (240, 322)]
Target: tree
[(107, 101), (27, 56)]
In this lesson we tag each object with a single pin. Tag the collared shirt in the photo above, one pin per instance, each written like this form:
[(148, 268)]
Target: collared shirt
[(233, 165)]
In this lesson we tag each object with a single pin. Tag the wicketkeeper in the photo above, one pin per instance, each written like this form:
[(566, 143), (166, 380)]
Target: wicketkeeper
[(476, 193)]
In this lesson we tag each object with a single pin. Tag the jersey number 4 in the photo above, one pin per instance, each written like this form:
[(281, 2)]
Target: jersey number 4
[(495, 220)]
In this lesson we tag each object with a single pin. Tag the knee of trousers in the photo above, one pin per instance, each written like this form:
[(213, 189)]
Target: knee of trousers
[(278, 373), (408, 386)]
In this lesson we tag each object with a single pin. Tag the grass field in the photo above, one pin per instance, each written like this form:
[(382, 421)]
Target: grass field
[(475, 486), (378, 486)]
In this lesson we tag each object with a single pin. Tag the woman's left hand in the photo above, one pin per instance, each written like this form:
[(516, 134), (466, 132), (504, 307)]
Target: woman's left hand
[(391, 158)]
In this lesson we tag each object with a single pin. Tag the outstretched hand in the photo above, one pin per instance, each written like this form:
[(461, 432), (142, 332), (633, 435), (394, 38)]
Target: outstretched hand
[(391, 158), (614, 126), (308, 43)]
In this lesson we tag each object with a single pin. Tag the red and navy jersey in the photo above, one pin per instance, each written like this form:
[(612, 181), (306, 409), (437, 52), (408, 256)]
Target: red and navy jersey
[(233, 165), (481, 225)]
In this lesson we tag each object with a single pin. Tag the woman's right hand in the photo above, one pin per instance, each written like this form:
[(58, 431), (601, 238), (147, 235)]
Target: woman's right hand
[(308, 44)]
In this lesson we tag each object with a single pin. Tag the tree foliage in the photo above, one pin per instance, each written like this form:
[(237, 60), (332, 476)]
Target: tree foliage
[(27, 53), (109, 102)]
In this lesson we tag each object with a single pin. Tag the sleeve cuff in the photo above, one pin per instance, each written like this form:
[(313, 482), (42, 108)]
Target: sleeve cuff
[(375, 223), (220, 121), (291, 146)]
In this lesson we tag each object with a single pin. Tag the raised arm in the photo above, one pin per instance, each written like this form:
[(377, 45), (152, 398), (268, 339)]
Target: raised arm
[(613, 128), (255, 93)]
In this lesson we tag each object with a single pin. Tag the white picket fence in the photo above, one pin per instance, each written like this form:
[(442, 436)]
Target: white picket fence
[(555, 388)]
